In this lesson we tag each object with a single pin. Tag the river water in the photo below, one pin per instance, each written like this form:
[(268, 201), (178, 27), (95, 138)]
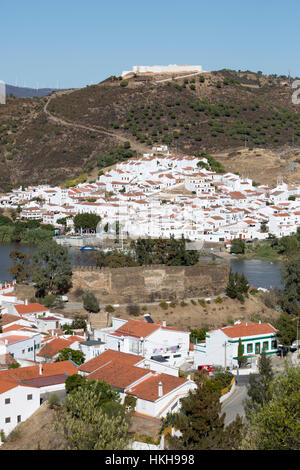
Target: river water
[(259, 273)]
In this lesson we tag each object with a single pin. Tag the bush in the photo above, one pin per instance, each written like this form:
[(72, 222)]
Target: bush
[(90, 302), (123, 83), (134, 310), (219, 300), (49, 300), (202, 303), (109, 309), (53, 401), (193, 302), (164, 305), (183, 304), (130, 401)]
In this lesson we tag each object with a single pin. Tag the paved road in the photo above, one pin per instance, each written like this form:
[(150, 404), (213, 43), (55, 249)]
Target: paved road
[(233, 406)]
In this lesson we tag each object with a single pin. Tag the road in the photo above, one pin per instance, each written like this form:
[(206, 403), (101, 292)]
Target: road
[(233, 406)]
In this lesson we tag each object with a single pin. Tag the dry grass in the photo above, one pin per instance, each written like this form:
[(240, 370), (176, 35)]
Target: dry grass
[(37, 433)]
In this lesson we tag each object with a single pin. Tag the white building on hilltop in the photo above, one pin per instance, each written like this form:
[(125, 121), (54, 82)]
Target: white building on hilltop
[(171, 68)]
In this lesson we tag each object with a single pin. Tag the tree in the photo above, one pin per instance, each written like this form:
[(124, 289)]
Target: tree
[(231, 289), (72, 355), (241, 283), (275, 424), (86, 222), (201, 424), (86, 426), (241, 358), (78, 323), (51, 269), (21, 267), (259, 384), (286, 329), (90, 302), (198, 335), (238, 246), (291, 281), (73, 382)]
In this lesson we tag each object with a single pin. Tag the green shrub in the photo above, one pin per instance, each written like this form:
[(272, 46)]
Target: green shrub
[(219, 300), (53, 400), (109, 309), (123, 83), (183, 304), (202, 303), (193, 302), (164, 305)]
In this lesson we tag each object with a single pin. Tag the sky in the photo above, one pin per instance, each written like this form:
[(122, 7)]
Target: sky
[(70, 44)]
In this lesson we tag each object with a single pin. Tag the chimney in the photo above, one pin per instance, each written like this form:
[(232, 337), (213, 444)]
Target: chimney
[(160, 389), (26, 301), (164, 323), (6, 341), (40, 368)]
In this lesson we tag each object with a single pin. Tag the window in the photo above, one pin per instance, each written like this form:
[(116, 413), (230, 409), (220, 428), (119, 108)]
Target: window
[(29, 397), (7, 420), (7, 401), (274, 344), (265, 345), (19, 418), (177, 355), (249, 348), (257, 348)]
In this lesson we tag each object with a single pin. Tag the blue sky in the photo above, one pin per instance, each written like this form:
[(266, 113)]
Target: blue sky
[(75, 43)]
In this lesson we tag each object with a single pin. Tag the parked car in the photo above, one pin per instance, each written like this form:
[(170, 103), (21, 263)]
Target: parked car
[(207, 368), (282, 350)]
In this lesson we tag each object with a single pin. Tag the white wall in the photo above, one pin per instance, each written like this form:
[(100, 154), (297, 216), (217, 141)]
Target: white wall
[(19, 406)]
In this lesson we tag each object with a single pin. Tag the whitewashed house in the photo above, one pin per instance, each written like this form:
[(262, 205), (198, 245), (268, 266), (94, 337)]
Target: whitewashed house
[(220, 347)]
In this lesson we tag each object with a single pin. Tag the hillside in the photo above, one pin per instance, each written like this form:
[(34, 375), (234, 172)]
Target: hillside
[(62, 136), (25, 92)]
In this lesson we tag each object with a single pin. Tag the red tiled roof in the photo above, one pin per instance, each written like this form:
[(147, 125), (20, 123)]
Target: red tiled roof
[(107, 356), (248, 329), (26, 373), (148, 388), (30, 308), (8, 318), (118, 374), (53, 347), (137, 328)]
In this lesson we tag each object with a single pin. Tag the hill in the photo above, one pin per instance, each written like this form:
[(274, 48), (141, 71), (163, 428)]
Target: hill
[(25, 92), (63, 135)]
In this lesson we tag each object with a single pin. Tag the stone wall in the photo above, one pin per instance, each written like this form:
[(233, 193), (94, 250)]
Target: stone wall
[(145, 284)]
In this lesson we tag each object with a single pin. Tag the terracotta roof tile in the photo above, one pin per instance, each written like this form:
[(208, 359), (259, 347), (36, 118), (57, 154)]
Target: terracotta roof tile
[(26, 373), (248, 329), (148, 388), (137, 328), (107, 356), (30, 308), (53, 347), (118, 374)]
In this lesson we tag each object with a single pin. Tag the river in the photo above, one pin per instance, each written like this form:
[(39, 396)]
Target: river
[(259, 273)]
